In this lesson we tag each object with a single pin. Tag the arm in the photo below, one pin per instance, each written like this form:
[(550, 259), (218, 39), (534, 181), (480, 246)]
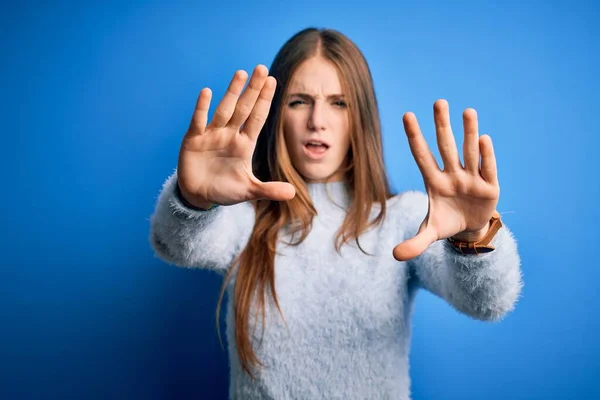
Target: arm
[(484, 286), (206, 239), (215, 160)]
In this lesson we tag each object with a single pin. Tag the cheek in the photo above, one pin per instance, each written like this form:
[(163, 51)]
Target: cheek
[(344, 129), (294, 125), (291, 133)]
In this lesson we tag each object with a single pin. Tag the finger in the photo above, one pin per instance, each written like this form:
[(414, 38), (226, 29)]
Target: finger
[(445, 138), (419, 148), (277, 191), (258, 116), (489, 171), (471, 143), (227, 105), (415, 246), (247, 100), (200, 115)]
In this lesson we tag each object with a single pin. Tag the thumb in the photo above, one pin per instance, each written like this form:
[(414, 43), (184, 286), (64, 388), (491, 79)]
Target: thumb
[(278, 191), (416, 245)]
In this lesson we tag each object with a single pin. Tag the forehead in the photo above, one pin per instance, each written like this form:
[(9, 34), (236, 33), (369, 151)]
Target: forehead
[(316, 76)]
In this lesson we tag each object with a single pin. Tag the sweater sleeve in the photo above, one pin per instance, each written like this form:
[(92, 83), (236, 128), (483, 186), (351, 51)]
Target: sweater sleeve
[(484, 286), (204, 239)]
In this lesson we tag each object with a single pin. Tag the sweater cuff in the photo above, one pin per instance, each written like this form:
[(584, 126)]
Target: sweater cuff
[(182, 207)]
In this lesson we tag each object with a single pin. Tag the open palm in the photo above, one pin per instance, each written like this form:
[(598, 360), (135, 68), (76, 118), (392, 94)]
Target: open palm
[(462, 199), (215, 159)]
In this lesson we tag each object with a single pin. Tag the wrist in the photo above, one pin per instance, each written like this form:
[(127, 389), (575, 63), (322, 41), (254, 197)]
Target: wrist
[(195, 205), (472, 236), (477, 242)]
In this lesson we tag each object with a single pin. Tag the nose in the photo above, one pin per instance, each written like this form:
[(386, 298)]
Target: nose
[(316, 120)]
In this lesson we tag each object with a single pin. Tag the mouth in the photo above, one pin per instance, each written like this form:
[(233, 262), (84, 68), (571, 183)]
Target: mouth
[(315, 149)]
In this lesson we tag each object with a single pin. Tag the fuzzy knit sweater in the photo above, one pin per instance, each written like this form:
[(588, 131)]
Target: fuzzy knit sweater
[(348, 315)]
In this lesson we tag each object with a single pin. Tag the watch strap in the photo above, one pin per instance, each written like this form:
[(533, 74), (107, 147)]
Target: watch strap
[(482, 245)]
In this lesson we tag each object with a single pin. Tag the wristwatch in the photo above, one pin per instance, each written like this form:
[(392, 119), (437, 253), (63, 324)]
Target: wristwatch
[(482, 245)]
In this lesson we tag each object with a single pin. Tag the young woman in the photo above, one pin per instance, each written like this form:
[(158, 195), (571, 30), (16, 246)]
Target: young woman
[(285, 193)]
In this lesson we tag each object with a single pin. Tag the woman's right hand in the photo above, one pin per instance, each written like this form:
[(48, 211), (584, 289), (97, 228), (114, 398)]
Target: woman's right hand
[(215, 160)]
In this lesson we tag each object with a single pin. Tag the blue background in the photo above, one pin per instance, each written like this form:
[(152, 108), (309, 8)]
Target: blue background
[(96, 98)]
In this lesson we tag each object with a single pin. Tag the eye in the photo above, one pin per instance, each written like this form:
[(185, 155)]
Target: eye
[(296, 102), (340, 103)]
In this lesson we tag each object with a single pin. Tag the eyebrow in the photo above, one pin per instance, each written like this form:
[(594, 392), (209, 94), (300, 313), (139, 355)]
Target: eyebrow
[(308, 96)]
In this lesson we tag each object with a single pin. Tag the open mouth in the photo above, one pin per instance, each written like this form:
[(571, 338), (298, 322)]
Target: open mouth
[(316, 147)]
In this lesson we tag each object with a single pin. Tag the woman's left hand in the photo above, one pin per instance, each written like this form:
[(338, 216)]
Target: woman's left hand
[(462, 199)]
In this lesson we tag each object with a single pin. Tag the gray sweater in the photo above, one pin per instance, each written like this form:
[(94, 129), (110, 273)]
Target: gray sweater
[(348, 316)]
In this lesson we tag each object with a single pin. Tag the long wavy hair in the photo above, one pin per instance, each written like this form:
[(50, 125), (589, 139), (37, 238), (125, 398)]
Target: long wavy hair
[(364, 173)]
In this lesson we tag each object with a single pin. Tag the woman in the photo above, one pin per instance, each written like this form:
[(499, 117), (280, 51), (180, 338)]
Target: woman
[(285, 193)]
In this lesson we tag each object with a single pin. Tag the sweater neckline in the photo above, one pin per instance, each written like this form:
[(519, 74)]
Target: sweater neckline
[(327, 194)]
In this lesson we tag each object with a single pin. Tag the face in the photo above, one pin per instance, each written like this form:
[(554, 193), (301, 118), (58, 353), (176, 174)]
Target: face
[(316, 121)]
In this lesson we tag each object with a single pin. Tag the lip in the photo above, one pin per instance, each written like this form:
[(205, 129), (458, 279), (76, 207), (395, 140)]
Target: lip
[(316, 141), (312, 154)]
